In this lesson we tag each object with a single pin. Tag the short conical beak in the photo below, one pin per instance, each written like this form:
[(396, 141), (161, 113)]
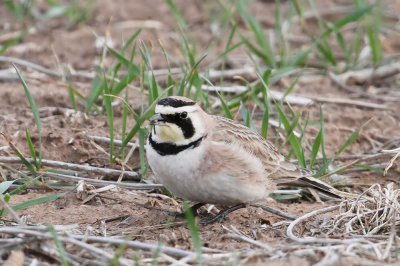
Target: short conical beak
[(156, 119)]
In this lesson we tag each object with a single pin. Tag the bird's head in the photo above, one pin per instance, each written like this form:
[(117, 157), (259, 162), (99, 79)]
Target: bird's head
[(177, 120)]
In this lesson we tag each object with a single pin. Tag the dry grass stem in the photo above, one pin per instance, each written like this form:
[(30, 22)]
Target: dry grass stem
[(75, 167)]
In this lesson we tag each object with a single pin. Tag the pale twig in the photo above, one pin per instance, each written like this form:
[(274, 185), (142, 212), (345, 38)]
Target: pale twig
[(74, 74), (106, 240), (365, 75), (232, 73), (93, 249), (173, 261), (350, 89), (348, 102), (391, 238), (11, 211), (390, 163), (42, 69), (364, 157), (135, 244), (275, 211), (129, 24), (277, 95), (102, 183), (76, 167), (344, 86), (108, 141), (237, 236), (71, 239), (300, 100), (312, 13), (287, 191)]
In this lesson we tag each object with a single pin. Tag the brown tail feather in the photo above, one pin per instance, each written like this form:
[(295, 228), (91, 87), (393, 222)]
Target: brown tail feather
[(308, 181)]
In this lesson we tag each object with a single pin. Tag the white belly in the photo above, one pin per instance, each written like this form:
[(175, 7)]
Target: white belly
[(185, 175), (176, 172)]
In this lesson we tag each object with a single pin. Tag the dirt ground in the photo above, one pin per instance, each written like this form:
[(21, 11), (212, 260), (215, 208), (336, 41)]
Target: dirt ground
[(144, 215)]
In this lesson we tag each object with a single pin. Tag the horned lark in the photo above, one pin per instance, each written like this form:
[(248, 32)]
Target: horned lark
[(211, 159)]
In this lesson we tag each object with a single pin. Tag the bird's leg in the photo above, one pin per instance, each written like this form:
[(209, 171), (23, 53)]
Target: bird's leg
[(193, 209), (222, 214)]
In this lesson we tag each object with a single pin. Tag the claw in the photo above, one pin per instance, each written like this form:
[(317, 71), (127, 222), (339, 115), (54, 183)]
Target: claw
[(193, 209), (222, 215)]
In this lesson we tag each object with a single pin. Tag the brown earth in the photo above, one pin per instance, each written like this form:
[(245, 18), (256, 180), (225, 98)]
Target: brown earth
[(144, 215)]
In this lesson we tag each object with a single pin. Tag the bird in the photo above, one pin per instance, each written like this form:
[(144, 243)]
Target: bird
[(211, 159)]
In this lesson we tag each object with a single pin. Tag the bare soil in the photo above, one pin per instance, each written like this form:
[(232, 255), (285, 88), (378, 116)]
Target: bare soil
[(144, 215)]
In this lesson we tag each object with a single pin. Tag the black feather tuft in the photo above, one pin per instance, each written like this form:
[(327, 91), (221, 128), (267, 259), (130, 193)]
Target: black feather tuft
[(173, 102)]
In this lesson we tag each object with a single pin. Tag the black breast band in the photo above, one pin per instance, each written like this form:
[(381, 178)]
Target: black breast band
[(170, 148)]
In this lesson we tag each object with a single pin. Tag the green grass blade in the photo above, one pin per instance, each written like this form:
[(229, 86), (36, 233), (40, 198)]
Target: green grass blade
[(34, 111), (126, 104), (37, 201), (71, 93), (290, 89), (5, 185), (343, 46), (4, 47), (246, 116), (129, 42), (194, 232), (374, 42), (256, 51), (228, 44), (297, 8), (178, 15), (118, 253), (96, 89), (110, 117), (133, 72), (32, 149), (28, 165), (225, 107), (281, 42), (268, 55), (124, 118), (322, 129), (315, 149), (157, 252), (142, 140), (170, 80), (27, 184), (354, 16), (138, 124), (294, 142), (356, 46), (326, 50), (369, 167), (349, 141), (265, 123), (230, 49), (120, 57), (59, 245), (181, 88)]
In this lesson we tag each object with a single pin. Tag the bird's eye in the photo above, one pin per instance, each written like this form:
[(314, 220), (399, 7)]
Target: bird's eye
[(183, 115)]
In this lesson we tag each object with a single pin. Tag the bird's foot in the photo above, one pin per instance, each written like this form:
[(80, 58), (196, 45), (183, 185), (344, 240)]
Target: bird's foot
[(222, 215), (192, 209)]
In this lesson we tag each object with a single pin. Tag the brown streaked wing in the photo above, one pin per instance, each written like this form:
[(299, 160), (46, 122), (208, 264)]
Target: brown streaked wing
[(230, 131)]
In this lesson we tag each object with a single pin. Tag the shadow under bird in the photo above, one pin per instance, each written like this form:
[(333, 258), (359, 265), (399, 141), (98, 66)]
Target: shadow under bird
[(211, 159)]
